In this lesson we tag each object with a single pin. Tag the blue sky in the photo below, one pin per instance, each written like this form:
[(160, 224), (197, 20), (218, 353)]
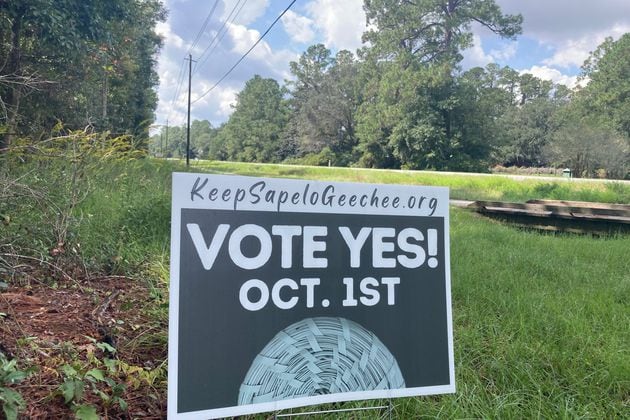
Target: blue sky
[(557, 37)]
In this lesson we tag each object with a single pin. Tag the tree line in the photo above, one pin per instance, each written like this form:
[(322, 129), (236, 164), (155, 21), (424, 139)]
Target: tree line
[(403, 101), (82, 63)]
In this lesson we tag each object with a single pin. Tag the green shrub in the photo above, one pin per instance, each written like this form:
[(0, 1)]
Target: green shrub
[(10, 399)]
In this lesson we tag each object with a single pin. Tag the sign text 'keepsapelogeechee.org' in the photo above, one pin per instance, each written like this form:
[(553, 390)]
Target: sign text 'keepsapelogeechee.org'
[(259, 192)]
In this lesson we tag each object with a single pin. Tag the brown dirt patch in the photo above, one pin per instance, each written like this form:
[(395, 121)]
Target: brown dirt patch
[(47, 325)]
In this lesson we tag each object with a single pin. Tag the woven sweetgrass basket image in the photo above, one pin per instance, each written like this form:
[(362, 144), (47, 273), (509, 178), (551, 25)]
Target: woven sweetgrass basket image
[(316, 356)]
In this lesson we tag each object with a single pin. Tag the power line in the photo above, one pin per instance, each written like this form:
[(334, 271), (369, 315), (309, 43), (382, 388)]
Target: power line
[(204, 26), (180, 79), (190, 61), (220, 37), (222, 27), (246, 54), (220, 34)]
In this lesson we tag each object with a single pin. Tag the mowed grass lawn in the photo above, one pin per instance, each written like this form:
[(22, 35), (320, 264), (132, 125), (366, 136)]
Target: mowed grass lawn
[(541, 324), (541, 321), (462, 186)]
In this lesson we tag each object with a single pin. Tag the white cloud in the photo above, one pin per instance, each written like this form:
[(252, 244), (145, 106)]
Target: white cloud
[(573, 52), (243, 39), (216, 106), (505, 53), (170, 68), (163, 29), (570, 29), (299, 28), (248, 12), (475, 56), (227, 99), (341, 23), (275, 61), (179, 32), (558, 20), (548, 73)]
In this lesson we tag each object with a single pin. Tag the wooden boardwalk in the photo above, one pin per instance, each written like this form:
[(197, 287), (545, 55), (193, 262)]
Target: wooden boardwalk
[(558, 215)]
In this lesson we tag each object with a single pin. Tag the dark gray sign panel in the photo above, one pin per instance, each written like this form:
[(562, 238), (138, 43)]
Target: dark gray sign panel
[(287, 293)]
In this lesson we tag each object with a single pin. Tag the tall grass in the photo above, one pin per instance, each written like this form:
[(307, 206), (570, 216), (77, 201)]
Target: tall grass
[(125, 222), (541, 323)]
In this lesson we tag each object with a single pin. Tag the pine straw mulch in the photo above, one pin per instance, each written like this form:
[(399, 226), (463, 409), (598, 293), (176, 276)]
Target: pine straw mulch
[(65, 320)]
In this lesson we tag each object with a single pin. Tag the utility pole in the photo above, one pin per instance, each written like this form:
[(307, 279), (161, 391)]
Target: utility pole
[(166, 148), (190, 60)]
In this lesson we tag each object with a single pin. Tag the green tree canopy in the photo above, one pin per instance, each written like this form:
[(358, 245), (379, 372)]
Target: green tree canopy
[(254, 131), (414, 108), (325, 95), (608, 91), (432, 30), (82, 62), (590, 150)]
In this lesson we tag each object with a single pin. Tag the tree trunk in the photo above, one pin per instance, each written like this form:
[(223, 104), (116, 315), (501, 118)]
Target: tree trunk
[(105, 93)]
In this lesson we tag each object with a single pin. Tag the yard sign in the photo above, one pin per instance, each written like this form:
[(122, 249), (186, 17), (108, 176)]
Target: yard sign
[(287, 293)]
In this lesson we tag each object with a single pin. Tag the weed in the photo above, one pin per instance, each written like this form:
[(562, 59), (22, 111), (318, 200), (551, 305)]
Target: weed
[(43, 185), (95, 378), (10, 399), (619, 191), (137, 375)]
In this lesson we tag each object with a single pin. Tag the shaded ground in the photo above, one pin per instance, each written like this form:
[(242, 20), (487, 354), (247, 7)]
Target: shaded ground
[(103, 324)]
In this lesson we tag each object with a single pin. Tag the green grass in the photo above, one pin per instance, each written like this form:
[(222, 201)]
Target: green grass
[(541, 323), (540, 320), (464, 187), (125, 222)]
